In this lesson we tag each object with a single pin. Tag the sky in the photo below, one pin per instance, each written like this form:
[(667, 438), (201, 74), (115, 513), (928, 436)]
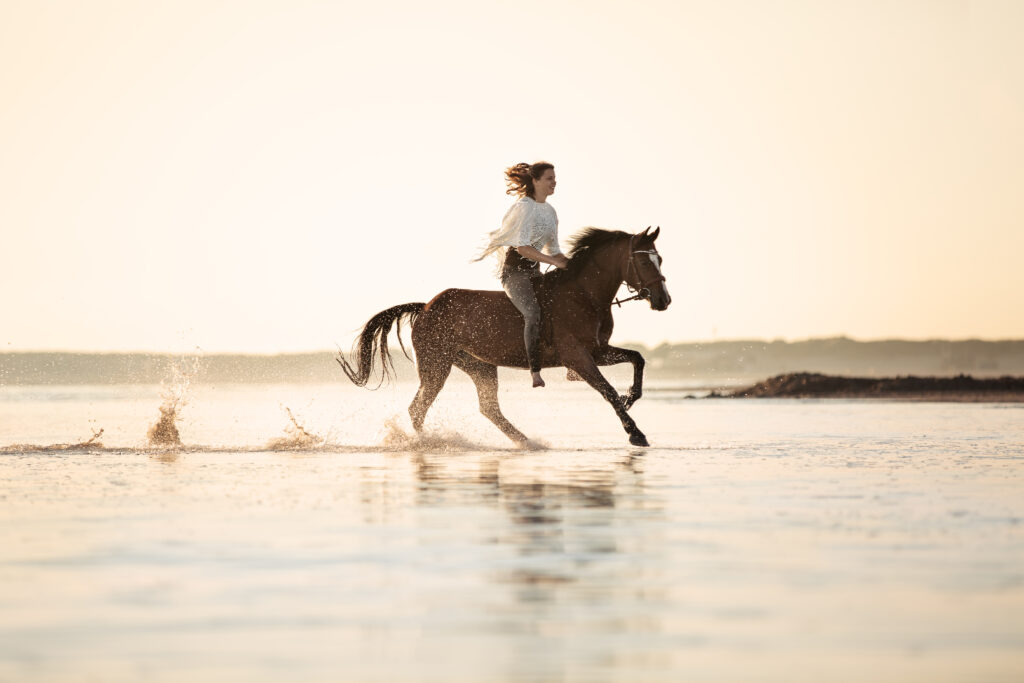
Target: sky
[(264, 176)]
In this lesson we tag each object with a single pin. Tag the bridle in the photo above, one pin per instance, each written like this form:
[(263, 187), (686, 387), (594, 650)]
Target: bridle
[(644, 292)]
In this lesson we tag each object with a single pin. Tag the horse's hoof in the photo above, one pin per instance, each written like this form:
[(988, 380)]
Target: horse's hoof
[(638, 439)]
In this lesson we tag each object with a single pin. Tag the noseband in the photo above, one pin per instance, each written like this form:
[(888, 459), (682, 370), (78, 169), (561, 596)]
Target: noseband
[(644, 292)]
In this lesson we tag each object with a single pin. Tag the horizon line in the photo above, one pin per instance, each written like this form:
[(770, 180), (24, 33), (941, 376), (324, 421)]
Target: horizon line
[(724, 340)]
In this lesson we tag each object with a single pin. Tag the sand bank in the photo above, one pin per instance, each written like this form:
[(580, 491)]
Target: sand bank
[(961, 388)]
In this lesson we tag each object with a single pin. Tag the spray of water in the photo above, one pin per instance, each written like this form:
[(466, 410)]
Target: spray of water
[(92, 442), (298, 438), (396, 438), (174, 392)]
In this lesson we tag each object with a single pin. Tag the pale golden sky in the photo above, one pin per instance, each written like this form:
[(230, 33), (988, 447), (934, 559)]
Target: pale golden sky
[(264, 176)]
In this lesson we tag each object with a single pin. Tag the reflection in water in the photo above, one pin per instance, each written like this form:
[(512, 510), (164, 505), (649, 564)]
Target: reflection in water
[(545, 502), (169, 456), (556, 568)]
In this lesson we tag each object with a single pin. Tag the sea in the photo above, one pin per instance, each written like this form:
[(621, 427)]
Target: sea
[(305, 532)]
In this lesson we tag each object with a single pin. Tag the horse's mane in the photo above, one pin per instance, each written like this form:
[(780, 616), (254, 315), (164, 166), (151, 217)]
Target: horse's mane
[(584, 243), (591, 238)]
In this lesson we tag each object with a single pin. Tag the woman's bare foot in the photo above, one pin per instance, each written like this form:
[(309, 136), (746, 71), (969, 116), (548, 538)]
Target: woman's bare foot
[(537, 380)]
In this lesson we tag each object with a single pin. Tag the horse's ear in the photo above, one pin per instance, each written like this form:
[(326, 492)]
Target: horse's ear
[(644, 233), (654, 235)]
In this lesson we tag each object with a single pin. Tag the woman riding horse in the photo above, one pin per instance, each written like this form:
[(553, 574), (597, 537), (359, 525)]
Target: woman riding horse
[(529, 226), (476, 331)]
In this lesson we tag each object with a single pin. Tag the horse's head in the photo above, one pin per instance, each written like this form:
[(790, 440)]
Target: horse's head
[(643, 272)]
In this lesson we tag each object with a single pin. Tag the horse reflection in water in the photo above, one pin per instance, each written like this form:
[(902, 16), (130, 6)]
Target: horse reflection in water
[(476, 331), (537, 496)]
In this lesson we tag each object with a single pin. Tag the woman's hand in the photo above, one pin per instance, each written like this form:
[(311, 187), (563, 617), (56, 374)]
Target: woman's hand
[(558, 260)]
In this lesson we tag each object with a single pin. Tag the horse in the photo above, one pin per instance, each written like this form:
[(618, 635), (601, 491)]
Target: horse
[(476, 331)]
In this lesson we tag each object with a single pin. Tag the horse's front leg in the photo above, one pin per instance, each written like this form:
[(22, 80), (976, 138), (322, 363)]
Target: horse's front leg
[(579, 360), (612, 355)]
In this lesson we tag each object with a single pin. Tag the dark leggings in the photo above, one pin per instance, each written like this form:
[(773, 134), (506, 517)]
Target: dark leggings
[(519, 288)]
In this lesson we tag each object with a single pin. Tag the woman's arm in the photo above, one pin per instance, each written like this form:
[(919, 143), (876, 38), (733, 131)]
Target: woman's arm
[(558, 260)]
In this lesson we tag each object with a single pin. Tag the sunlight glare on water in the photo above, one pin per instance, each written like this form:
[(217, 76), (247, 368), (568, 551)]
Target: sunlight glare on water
[(756, 540)]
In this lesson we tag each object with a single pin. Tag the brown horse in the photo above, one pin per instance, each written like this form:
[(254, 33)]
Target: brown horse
[(477, 331)]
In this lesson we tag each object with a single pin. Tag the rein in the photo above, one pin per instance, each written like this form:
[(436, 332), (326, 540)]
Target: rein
[(644, 291)]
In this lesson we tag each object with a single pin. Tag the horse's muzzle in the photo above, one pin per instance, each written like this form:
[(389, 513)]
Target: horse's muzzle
[(659, 299)]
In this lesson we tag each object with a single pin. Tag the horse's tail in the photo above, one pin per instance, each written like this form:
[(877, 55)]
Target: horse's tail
[(373, 340)]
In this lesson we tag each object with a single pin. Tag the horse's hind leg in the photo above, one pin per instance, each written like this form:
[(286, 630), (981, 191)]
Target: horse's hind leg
[(485, 377), (433, 374)]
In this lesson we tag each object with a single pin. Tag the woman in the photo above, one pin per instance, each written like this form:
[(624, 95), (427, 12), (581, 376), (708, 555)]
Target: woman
[(529, 226)]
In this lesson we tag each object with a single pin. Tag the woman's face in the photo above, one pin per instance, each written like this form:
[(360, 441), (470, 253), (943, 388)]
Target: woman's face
[(545, 185)]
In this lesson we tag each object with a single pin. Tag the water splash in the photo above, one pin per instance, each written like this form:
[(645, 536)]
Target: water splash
[(182, 371), (397, 439), (165, 432), (92, 442), (297, 437)]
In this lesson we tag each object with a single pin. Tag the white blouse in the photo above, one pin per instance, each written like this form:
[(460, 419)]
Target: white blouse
[(526, 223)]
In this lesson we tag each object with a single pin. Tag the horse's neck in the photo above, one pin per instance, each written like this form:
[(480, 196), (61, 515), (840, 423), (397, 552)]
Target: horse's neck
[(600, 278)]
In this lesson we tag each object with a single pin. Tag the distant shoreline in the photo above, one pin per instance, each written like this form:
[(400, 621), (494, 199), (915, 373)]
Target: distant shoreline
[(724, 363), (960, 389)]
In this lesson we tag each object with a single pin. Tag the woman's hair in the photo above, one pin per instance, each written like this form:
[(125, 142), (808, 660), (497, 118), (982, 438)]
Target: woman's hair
[(520, 177)]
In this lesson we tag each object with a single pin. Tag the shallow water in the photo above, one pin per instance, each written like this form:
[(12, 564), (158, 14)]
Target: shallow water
[(755, 540)]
